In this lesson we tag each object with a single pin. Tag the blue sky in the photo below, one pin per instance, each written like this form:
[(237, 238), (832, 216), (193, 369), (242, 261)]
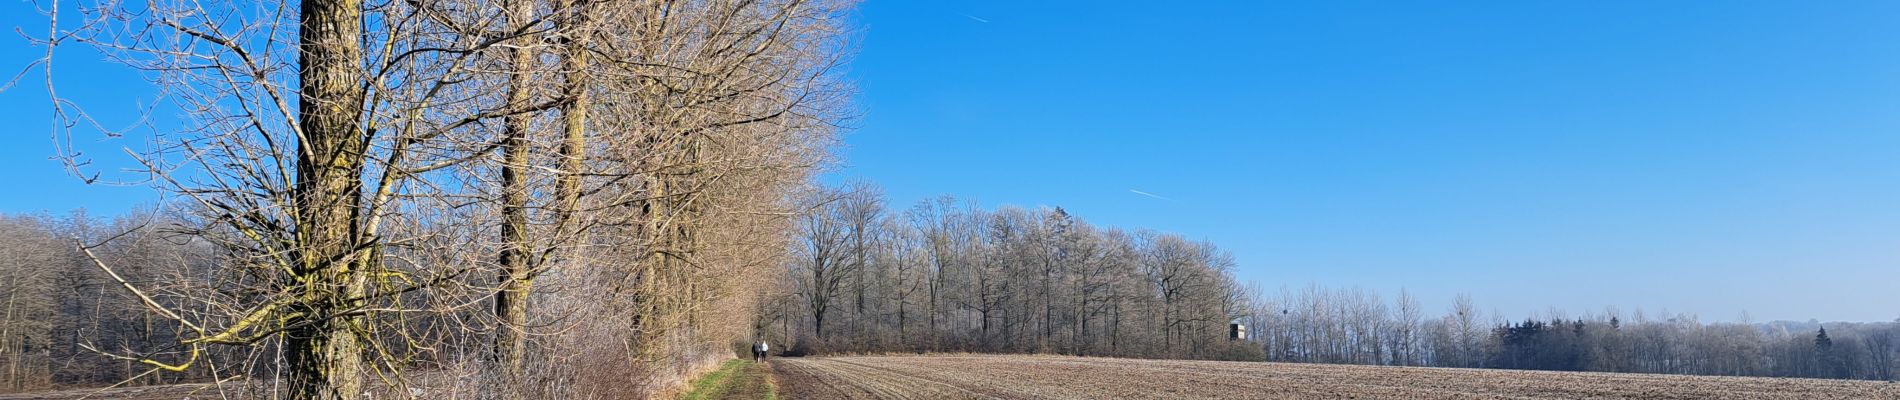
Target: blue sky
[(1704, 157)]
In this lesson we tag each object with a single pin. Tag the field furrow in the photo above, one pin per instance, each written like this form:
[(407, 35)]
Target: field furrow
[(1058, 377)]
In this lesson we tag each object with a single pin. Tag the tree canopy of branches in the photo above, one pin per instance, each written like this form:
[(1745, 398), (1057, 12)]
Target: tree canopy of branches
[(386, 197)]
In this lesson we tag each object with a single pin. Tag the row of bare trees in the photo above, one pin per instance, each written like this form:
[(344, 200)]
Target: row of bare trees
[(947, 276), (478, 198), (1322, 325), (944, 275)]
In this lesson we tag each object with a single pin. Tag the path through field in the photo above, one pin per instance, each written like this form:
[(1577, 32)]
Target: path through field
[(1057, 377), (735, 380)]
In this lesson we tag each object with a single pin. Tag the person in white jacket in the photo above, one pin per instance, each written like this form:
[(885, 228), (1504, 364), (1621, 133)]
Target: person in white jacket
[(759, 350)]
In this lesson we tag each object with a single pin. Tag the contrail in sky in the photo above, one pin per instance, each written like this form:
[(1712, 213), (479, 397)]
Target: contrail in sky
[(1149, 194), (973, 17)]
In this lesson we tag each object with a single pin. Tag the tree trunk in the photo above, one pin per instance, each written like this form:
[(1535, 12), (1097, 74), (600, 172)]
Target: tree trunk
[(574, 64), (323, 350), (517, 268), (818, 323)]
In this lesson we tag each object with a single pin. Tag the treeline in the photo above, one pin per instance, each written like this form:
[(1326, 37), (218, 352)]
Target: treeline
[(61, 311), (1322, 325), (498, 199), (944, 275)]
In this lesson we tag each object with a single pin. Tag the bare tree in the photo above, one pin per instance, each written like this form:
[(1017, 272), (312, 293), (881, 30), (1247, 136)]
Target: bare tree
[(1463, 320), (825, 239), (1406, 329)]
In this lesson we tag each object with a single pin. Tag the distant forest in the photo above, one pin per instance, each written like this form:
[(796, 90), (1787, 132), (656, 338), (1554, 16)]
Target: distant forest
[(946, 276)]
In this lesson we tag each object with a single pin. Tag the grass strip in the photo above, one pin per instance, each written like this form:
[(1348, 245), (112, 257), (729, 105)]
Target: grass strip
[(711, 385)]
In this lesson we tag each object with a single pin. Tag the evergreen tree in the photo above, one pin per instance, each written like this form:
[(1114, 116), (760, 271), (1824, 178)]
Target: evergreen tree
[(1824, 359)]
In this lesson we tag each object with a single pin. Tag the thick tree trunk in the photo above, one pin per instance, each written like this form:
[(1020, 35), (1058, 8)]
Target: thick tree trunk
[(517, 267), (931, 311), (574, 64), (821, 293), (818, 324), (323, 350)]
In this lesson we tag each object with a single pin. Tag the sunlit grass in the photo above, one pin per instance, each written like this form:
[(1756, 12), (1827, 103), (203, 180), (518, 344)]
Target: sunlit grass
[(720, 381)]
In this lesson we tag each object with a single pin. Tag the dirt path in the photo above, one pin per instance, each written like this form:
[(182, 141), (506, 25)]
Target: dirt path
[(1054, 377)]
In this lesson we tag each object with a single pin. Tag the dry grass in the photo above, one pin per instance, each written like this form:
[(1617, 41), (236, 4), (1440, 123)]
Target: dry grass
[(1056, 377)]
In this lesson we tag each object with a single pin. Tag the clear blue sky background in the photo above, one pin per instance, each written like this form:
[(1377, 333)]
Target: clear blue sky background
[(1702, 157)]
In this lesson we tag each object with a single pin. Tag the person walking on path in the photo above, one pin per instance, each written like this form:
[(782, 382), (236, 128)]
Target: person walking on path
[(759, 351)]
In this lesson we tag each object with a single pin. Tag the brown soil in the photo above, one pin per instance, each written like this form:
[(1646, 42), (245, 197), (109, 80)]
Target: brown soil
[(1055, 377)]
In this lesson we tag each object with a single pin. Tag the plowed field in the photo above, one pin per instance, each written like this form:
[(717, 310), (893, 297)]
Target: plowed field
[(1056, 377)]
